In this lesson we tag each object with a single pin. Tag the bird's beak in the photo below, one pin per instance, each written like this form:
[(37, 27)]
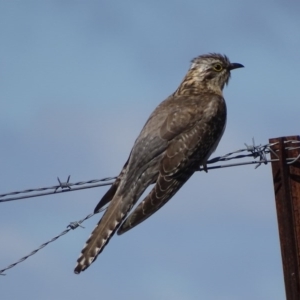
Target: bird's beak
[(235, 66)]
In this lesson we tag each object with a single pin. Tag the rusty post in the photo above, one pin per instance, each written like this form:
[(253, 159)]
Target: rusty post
[(286, 179)]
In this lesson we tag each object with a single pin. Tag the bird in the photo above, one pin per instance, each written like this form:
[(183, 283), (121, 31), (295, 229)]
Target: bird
[(177, 139)]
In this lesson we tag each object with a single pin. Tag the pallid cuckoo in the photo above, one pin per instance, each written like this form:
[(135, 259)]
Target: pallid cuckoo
[(179, 136)]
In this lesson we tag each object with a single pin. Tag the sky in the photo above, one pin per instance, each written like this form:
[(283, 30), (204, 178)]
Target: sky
[(78, 80)]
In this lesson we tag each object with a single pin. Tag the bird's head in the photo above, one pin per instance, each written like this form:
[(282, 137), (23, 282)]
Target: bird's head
[(212, 69)]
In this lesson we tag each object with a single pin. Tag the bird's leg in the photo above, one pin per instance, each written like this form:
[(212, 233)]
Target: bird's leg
[(205, 167)]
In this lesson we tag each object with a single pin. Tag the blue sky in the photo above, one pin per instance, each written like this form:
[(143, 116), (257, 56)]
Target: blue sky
[(78, 79)]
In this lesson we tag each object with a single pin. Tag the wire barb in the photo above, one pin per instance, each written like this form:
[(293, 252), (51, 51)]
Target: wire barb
[(63, 185), (74, 225)]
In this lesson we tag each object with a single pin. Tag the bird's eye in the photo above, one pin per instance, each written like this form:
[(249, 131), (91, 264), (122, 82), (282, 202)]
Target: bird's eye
[(218, 67)]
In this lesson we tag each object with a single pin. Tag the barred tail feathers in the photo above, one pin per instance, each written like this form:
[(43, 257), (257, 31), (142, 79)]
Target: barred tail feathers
[(101, 235)]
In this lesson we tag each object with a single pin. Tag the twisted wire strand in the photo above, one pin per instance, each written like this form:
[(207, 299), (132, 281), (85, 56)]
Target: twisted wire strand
[(64, 186), (71, 226)]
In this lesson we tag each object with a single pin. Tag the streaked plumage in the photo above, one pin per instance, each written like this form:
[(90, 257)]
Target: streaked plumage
[(178, 137)]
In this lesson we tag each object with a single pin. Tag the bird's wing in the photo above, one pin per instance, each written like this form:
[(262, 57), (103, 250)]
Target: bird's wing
[(191, 134), (147, 147), (153, 140), (141, 170), (163, 153)]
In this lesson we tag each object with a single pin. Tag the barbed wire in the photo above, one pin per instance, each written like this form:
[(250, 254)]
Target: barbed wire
[(71, 226), (258, 152), (64, 186), (255, 151)]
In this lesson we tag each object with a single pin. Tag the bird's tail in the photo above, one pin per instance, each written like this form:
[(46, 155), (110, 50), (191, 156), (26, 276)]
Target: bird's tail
[(101, 235)]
